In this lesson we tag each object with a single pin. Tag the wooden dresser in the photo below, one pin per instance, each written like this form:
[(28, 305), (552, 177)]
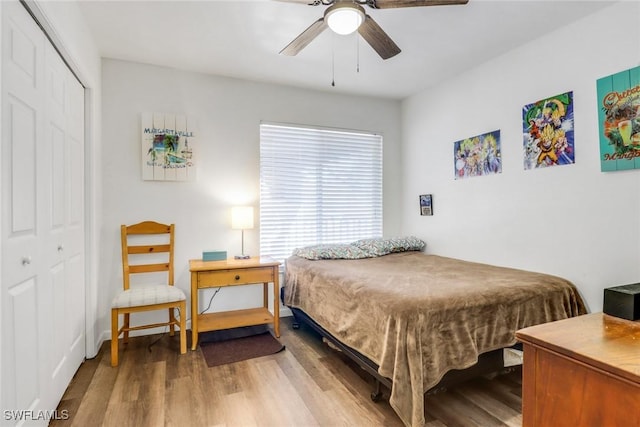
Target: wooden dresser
[(581, 372)]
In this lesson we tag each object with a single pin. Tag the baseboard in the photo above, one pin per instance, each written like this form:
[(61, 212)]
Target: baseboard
[(106, 335)]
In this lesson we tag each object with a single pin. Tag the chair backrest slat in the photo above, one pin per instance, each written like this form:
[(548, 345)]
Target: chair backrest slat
[(147, 268), (140, 250), (149, 227), (147, 249)]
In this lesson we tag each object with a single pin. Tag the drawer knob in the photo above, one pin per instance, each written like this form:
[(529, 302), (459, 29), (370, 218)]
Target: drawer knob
[(237, 277)]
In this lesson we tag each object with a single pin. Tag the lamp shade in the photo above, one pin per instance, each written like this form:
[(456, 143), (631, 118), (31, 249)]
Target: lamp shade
[(242, 217), (344, 18)]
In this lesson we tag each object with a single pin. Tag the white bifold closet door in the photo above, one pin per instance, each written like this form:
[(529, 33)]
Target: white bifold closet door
[(42, 228)]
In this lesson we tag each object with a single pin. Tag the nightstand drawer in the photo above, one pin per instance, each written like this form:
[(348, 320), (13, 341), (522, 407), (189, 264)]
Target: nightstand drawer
[(208, 279)]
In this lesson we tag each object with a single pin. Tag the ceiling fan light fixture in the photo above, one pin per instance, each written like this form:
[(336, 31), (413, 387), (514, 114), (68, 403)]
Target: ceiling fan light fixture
[(344, 18)]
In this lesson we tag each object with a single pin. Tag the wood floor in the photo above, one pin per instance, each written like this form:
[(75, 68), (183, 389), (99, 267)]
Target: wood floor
[(308, 384)]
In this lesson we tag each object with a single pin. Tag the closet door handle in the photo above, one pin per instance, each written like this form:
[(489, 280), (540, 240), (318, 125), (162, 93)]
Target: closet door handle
[(26, 260), (60, 248)]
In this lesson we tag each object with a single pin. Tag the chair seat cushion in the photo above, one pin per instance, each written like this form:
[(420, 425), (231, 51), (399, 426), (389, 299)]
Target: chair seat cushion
[(147, 295)]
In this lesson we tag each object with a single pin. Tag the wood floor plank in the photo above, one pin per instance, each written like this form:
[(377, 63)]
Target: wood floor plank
[(307, 384), (180, 411), (315, 398), (240, 411), (337, 371), (93, 405), (307, 353), (77, 389), (282, 402), (483, 399), (142, 387), (204, 395), (458, 411), (503, 390)]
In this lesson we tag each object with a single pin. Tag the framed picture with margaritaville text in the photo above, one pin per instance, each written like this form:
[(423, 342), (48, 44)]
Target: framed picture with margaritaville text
[(619, 120), (168, 142), (426, 205)]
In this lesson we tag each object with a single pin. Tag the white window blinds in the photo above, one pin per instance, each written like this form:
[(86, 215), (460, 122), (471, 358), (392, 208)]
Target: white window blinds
[(318, 186)]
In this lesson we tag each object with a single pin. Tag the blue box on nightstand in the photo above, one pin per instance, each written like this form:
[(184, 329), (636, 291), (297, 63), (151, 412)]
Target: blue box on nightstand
[(214, 255)]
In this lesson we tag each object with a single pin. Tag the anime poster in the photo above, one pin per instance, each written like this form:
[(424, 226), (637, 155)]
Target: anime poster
[(619, 120), (477, 156), (547, 127), (167, 147)]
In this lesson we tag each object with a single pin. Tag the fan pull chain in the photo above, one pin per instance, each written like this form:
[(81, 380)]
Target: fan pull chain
[(333, 60), (357, 53)]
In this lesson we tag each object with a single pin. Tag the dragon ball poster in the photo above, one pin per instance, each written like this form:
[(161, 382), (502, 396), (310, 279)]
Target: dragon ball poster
[(477, 156), (619, 120), (547, 127)]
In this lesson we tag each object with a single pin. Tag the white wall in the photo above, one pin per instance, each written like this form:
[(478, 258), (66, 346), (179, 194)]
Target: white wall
[(572, 221), (228, 112)]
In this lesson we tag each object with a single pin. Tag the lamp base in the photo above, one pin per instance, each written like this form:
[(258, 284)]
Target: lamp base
[(242, 256)]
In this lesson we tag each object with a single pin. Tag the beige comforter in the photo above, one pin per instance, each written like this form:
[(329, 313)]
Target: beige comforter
[(418, 316)]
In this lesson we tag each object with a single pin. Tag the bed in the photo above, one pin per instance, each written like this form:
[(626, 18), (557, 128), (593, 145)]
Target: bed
[(412, 317)]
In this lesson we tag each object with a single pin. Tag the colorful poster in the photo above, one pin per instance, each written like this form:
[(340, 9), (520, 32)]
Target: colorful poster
[(167, 147), (547, 127), (477, 156), (619, 120)]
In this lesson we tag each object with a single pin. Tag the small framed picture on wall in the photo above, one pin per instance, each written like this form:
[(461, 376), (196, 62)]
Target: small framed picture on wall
[(426, 204)]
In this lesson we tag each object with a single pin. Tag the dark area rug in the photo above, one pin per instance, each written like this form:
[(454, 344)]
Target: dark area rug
[(222, 350)]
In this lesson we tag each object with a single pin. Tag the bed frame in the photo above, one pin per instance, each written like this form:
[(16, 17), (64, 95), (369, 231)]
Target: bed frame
[(488, 363)]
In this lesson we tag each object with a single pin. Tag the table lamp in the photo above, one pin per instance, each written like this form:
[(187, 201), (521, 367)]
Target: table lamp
[(242, 219)]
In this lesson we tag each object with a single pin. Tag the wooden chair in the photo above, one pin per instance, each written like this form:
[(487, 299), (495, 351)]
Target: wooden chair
[(148, 296)]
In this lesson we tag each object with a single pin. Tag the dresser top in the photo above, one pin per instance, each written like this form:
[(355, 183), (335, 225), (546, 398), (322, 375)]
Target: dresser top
[(607, 342)]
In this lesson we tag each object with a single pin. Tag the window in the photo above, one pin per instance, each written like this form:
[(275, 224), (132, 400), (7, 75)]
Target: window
[(318, 186)]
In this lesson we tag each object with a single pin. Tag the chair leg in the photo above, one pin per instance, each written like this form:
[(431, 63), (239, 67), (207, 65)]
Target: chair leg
[(125, 336), (114, 337), (172, 320), (183, 327)]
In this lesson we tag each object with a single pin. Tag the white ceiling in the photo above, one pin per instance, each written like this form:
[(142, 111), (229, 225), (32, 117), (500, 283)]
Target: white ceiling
[(242, 39)]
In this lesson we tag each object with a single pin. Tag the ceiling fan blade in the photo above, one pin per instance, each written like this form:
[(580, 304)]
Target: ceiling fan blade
[(304, 38), (308, 2), (389, 4), (378, 39)]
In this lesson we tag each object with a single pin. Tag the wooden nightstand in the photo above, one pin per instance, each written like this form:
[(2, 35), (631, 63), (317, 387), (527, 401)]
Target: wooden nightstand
[(234, 272), (581, 372)]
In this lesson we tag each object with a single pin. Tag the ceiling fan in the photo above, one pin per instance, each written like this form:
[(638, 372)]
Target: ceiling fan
[(347, 16)]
